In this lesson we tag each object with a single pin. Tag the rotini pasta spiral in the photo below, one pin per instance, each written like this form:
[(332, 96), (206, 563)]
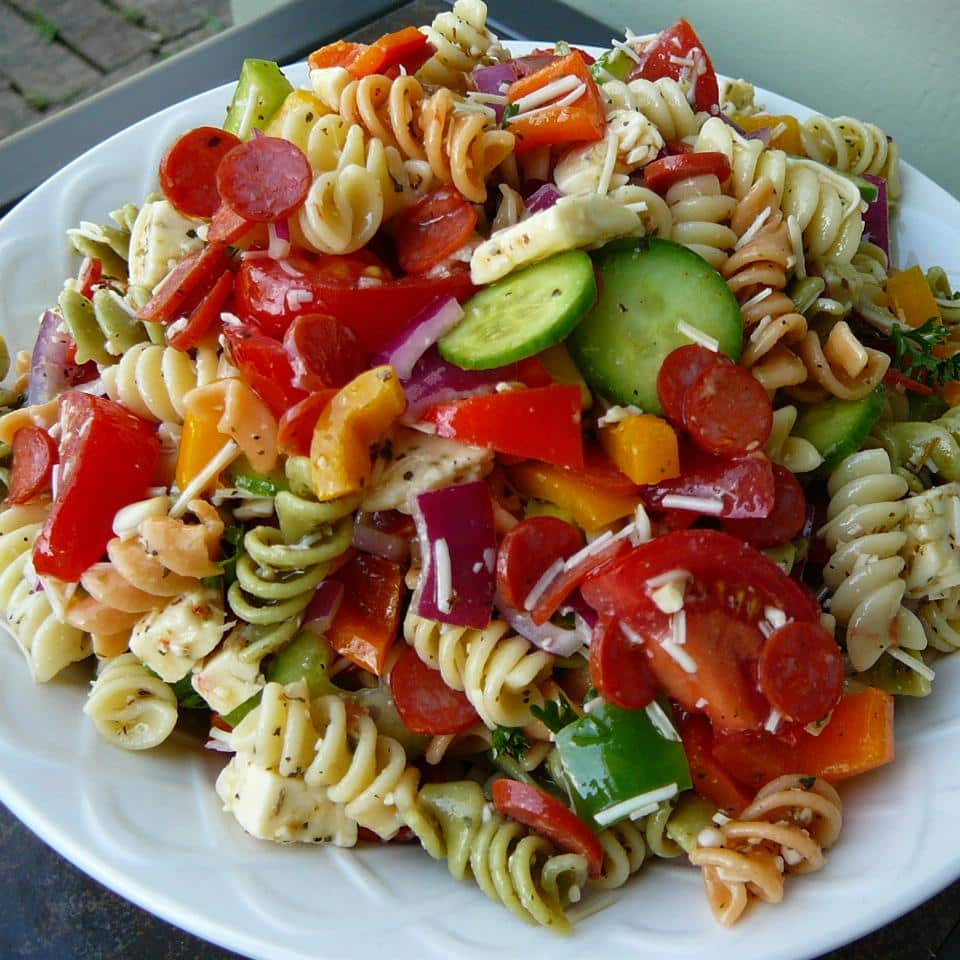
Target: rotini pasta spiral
[(130, 707), (864, 570), (462, 42), (786, 828), (104, 326), (858, 285), (756, 272), (700, 212), (109, 244), (497, 670), (932, 527), (941, 621), (462, 147), (624, 853), (749, 160), (263, 785), (795, 453), (48, 644), (152, 381), (852, 146), (664, 104), (510, 864), (359, 767), (281, 566), (840, 366)]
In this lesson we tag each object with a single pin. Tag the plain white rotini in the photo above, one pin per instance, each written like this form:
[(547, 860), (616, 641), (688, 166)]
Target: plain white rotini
[(152, 381), (941, 621), (462, 42), (48, 644), (131, 707), (359, 767), (664, 104), (864, 571), (496, 669), (701, 212), (749, 160), (795, 453), (853, 146)]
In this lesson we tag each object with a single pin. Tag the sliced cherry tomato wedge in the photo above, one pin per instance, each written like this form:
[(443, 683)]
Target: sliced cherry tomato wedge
[(667, 57), (785, 520), (710, 780), (188, 170), (90, 275), (536, 809), (204, 316), (265, 365), (801, 671), (186, 284), (677, 374), (727, 411), (323, 352), (264, 179), (425, 703), (743, 485), (709, 659), (432, 229), (108, 458), (662, 174), (528, 550), (295, 428), (617, 669), (34, 457)]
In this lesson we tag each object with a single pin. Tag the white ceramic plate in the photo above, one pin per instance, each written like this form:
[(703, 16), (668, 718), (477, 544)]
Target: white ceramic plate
[(150, 827)]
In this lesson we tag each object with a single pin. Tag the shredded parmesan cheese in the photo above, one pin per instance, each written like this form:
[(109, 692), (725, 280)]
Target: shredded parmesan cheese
[(677, 501), (625, 808), (441, 560), (695, 334), (914, 663), (228, 453), (661, 721), (542, 585), (547, 93)]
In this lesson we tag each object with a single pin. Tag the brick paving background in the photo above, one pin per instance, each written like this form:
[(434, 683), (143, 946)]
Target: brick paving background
[(56, 52)]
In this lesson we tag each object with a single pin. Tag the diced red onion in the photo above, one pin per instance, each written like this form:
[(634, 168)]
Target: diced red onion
[(876, 220), (50, 373), (279, 246), (323, 607), (743, 133), (548, 636), (491, 79), (458, 549), (543, 198), (370, 539), (433, 381), (434, 321), (258, 133)]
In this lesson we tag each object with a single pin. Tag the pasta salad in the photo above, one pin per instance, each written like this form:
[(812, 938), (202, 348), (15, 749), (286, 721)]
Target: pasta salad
[(534, 458)]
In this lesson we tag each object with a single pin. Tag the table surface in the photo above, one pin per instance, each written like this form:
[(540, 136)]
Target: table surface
[(52, 911)]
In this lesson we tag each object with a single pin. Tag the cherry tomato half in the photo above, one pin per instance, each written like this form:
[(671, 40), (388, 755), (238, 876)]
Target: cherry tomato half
[(34, 457)]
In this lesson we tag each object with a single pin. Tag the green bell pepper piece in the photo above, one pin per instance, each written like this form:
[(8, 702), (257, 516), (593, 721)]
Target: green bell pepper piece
[(612, 755), (261, 89), (614, 62)]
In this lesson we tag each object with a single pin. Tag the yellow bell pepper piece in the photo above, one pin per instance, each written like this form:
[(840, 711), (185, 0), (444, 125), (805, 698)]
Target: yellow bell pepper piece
[(787, 130), (591, 508), (358, 415), (563, 370), (299, 101), (200, 442), (911, 297), (643, 446)]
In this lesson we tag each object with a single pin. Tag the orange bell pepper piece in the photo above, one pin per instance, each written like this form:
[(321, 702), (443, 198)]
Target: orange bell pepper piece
[(582, 120), (358, 415), (368, 619), (951, 392), (200, 442), (787, 130), (858, 738), (591, 507), (910, 295), (342, 53), (644, 447)]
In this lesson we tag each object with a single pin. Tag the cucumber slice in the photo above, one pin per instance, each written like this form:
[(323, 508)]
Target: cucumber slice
[(647, 288), (261, 89), (838, 428), (523, 313), (868, 191)]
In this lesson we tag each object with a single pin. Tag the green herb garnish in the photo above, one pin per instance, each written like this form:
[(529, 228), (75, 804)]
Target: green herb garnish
[(509, 742), (914, 353), (555, 714)]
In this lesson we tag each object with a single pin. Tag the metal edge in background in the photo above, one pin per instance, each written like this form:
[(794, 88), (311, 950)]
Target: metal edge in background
[(540, 20), (287, 33)]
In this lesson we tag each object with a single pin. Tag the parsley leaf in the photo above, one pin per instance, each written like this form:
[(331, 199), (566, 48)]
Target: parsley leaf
[(914, 353), (509, 742), (556, 714), (510, 112)]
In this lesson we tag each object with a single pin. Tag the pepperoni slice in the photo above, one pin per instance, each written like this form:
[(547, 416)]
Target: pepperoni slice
[(425, 703), (432, 229), (677, 374), (535, 808), (34, 456), (264, 179), (528, 550), (188, 170), (186, 333), (727, 412), (785, 520), (801, 671), (323, 352), (618, 667)]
